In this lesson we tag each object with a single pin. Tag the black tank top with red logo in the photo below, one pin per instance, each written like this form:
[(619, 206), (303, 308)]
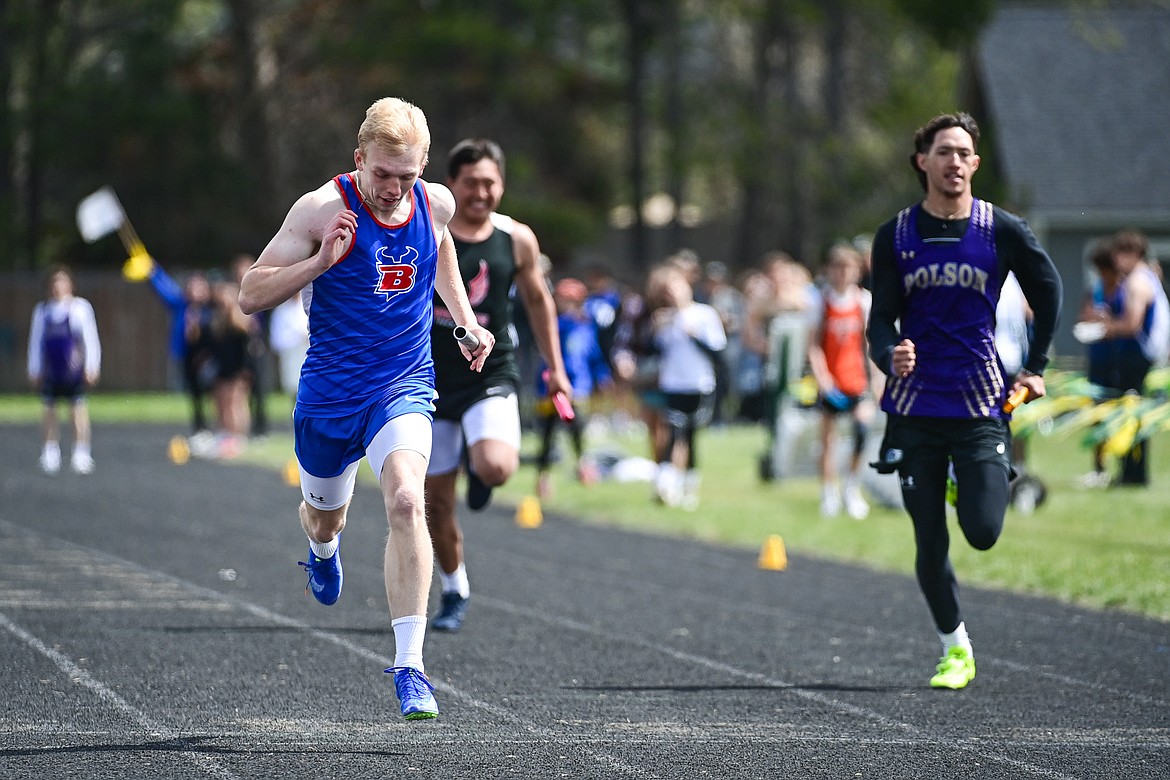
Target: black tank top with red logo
[(487, 268)]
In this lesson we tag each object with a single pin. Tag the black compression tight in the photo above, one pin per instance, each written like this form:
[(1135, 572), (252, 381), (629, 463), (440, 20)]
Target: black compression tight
[(548, 427), (982, 500)]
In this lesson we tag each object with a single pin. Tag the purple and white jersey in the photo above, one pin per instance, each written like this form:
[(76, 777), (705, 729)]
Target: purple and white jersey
[(370, 314), (950, 289), (63, 341)]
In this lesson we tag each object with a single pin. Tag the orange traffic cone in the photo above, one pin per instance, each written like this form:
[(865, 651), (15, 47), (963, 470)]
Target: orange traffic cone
[(292, 473), (528, 514), (178, 451), (772, 554)]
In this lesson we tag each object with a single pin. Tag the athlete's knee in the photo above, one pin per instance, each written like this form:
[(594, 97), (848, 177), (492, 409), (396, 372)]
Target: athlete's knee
[(497, 473), (322, 524), (405, 505), (984, 535), (495, 465), (860, 436)]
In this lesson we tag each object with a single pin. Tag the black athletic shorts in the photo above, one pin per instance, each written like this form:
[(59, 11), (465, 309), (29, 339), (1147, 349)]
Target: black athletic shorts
[(688, 410), (974, 440), (66, 390), (453, 404)]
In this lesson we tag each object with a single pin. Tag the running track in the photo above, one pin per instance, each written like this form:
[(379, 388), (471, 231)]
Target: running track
[(153, 624)]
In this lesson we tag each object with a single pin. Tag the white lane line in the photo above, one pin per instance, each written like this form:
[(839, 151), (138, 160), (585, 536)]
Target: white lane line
[(605, 759), (79, 676), (733, 560), (766, 611), (763, 679)]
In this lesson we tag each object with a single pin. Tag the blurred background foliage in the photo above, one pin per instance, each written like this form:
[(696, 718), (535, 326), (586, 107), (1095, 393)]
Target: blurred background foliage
[(780, 124)]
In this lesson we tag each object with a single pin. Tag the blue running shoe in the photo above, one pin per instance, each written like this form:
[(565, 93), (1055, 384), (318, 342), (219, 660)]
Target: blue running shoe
[(415, 692), (325, 577), (450, 617)]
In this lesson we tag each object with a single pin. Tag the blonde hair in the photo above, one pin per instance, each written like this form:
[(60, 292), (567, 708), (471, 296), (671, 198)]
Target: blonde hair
[(395, 126)]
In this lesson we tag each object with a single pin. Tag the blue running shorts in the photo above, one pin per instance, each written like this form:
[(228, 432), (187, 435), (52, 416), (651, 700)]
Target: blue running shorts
[(329, 449)]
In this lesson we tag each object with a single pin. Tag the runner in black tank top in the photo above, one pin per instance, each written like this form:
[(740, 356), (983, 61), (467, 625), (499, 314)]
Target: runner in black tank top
[(477, 417), (488, 269)]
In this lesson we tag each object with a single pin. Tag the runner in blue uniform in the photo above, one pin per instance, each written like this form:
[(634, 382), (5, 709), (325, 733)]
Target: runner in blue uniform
[(369, 249), (937, 271)]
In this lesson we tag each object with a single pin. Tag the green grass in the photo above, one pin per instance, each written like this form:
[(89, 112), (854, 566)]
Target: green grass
[(127, 408), (1099, 548)]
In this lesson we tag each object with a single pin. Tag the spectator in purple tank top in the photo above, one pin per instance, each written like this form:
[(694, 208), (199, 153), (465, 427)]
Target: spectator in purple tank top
[(938, 268), (64, 357)]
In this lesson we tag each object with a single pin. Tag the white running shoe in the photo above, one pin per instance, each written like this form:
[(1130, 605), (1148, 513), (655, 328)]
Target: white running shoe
[(830, 502), (82, 463), (668, 485), (855, 504), (50, 460), (1095, 479)]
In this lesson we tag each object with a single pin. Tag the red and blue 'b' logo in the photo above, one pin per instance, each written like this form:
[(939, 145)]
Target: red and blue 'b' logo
[(397, 274)]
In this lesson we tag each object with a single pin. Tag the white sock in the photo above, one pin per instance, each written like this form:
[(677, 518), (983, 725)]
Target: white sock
[(456, 581), (325, 549), (52, 447), (957, 638), (81, 450), (409, 633)]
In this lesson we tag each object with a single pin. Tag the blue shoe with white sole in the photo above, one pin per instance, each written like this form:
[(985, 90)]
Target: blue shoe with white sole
[(325, 577), (415, 693)]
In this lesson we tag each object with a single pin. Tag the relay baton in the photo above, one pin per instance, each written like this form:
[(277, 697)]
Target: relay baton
[(465, 337), (564, 408), (562, 405), (1015, 399)]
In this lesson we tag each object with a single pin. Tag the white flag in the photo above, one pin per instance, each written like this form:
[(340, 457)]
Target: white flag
[(99, 215)]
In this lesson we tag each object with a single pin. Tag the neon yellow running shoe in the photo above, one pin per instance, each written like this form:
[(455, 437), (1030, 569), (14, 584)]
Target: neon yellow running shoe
[(952, 486), (955, 669)]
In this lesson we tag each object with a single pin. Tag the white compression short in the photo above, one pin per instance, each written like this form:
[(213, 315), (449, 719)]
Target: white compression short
[(405, 432), (495, 417)]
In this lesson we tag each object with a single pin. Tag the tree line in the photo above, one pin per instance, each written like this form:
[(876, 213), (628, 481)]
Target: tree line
[(786, 121)]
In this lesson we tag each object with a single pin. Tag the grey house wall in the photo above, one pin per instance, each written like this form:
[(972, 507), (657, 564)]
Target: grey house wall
[(1077, 104)]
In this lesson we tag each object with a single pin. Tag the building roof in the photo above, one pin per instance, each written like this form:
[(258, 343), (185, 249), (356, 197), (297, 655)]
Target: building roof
[(1080, 101)]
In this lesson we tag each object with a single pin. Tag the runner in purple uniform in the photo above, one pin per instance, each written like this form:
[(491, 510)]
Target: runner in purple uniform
[(937, 271)]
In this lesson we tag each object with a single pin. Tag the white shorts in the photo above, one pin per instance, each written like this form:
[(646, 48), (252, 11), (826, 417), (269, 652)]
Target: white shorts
[(405, 432), (495, 417)]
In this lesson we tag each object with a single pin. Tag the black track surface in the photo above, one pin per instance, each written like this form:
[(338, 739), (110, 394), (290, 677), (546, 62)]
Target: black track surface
[(153, 624)]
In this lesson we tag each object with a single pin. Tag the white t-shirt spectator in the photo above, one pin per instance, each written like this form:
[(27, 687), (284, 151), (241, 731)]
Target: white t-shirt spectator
[(288, 335), (684, 365)]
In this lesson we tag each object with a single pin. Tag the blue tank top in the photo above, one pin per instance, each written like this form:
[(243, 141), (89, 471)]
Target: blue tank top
[(1150, 342), (370, 314), (62, 359), (950, 290)]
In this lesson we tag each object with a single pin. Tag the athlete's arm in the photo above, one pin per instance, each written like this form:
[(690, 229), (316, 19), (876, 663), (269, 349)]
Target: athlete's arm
[(816, 355), (1139, 296), (449, 286), (316, 232), (86, 323), (542, 312), (36, 335), (886, 302)]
